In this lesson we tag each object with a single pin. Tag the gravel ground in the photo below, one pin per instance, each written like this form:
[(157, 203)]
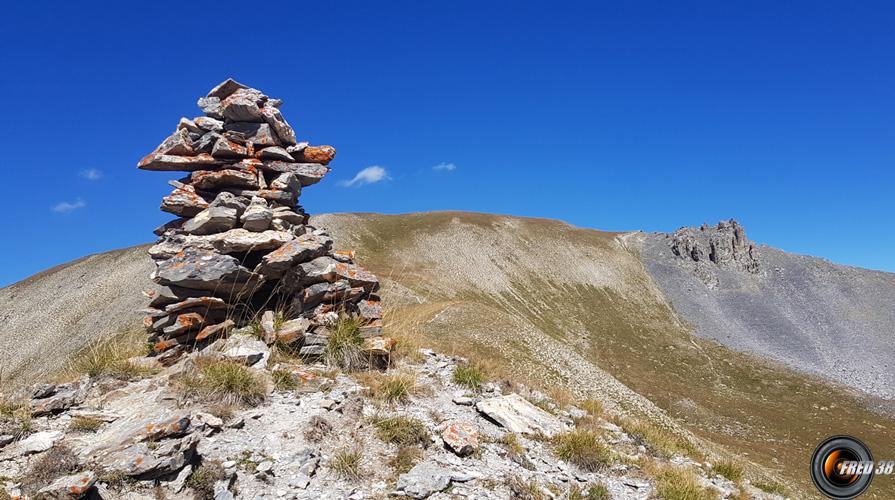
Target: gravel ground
[(815, 316)]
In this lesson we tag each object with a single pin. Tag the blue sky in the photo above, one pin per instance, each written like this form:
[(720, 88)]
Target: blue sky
[(609, 115)]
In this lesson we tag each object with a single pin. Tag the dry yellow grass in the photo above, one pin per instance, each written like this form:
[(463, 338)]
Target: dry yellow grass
[(584, 448), (676, 483), (347, 463), (110, 357), (402, 431), (223, 382), (396, 387)]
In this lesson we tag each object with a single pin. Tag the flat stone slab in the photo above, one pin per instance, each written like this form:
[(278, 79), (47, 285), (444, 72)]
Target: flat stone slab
[(516, 414)]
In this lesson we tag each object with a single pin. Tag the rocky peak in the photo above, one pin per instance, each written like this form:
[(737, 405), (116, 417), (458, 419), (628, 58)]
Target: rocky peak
[(724, 245)]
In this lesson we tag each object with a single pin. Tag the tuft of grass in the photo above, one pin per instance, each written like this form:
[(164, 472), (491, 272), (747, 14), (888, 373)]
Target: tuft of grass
[(511, 444), (15, 418), (57, 462), (343, 349), (674, 483), (515, 451), (402, 431), (583, 448), (283, 380), (392, 388), (405, 458), (347, 463), (771, 487), (527, 490), (202, 479), (592, 406), (223, 382), (729, 469), (110, 357), (469, 375), (658, 439), (85, 424), (590, 492)]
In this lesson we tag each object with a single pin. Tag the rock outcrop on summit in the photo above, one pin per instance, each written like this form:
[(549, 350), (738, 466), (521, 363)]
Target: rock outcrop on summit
[(241, 251), (725, 245)]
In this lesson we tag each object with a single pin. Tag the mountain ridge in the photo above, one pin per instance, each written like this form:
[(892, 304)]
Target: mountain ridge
[(547, 301)]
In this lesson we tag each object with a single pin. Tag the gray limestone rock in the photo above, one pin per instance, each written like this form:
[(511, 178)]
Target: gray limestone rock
[(211, 220), (178, 143), (209, 124), (516, 414), (202, 270), (35, 443), (190, 126), (217, 179), (211, 106), (69, 487), (247, 350), (224, 89), (184, 202), (275, 119), (257, 216), (206, 143), (241, 240), (259, 134), (243, 105), (287, 181), (301, 249), (275, 153), (308, 173), (168, 163), (424, 479), (225, 148), (725, 245), (143, 462)]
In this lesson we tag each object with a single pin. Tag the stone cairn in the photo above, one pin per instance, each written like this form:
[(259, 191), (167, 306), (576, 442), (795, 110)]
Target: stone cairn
[(241, 254)]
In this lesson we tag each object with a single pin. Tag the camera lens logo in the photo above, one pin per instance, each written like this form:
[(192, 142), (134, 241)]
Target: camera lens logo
[(842, 467)]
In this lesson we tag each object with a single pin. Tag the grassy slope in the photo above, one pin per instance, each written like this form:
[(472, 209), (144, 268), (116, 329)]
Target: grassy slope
[(511, 290)]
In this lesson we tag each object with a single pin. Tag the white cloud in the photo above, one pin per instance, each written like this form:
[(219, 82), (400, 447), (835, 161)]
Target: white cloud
[(368, 175), (64, 207), (445, 167), (91, 174)]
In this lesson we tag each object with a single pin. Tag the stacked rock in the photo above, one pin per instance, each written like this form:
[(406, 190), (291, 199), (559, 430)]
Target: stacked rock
[(241, 251)]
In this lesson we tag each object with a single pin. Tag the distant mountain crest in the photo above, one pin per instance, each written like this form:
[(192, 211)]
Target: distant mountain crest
[(724, 245)]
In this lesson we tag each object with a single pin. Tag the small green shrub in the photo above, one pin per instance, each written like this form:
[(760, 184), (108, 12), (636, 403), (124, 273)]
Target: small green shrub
[(592, 406), (110, 357), (405, 458), (673, 483), (347, 463), (343, 349), (770, 487), (526, 490), (283, 380), (402, 431), (583, 448), (15, 418), (202, 479), (729, 469), (591, 492), (85, 424), (658, 439), (224, 382), (469, 375)]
